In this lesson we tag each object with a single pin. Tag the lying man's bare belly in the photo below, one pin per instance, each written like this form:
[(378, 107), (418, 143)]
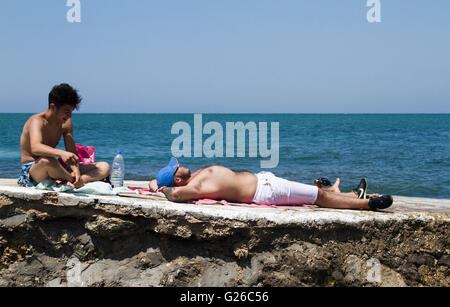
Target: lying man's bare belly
[(223, 183)]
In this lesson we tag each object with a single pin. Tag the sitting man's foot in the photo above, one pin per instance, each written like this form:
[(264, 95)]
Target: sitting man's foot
[(382, 202), (361, 190), (79, 184), (64, 182)]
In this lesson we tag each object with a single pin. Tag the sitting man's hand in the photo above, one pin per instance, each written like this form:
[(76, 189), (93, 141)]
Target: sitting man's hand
[(78, 182), (70, 158)]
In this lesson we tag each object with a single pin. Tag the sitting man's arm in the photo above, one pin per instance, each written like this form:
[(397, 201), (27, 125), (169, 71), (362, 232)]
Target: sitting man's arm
[(181, 194), (39, 149), (69, 142)]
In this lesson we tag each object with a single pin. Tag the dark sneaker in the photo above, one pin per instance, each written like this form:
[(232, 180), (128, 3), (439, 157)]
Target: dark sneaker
[(107, 180), (361, 190), (381, 202)]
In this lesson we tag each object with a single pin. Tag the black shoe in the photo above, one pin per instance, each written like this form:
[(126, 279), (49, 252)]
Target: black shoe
[(381, 202), (361, 190), (107, 180)]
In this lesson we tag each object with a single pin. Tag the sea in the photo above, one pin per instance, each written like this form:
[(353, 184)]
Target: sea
[(398, 154)]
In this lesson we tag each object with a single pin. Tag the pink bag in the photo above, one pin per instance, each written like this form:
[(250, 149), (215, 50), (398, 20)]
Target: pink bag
[(85, 153)]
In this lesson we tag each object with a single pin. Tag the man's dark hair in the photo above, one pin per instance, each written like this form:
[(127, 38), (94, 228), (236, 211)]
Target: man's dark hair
[(64, 94)]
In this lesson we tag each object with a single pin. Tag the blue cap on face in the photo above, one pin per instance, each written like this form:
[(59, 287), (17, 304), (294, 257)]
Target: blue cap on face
[(165, 175)]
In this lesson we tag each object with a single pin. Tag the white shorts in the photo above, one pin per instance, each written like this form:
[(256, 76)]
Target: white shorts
[(272, 190)]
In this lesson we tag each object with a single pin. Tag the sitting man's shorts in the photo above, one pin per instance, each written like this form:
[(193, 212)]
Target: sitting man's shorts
[(25, 177), (272, 190)]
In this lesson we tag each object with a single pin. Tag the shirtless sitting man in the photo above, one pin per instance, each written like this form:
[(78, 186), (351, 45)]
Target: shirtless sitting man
[(221, 183), (40, 136)]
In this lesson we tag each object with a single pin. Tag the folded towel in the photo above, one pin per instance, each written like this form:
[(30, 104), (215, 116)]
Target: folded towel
[(94, 188), (143, 191)]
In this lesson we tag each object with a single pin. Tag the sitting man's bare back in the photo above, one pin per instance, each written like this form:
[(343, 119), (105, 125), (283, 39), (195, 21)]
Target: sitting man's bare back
[(220, 183), (40, 136)]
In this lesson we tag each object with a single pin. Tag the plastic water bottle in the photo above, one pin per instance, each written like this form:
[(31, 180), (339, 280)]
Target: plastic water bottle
[(118, 170)]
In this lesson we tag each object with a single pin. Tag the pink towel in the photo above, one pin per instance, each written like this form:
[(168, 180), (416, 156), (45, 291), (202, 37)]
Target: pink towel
[(225, 203)]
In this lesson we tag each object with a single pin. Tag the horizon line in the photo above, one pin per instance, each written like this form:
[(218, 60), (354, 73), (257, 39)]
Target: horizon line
[(232, 113)]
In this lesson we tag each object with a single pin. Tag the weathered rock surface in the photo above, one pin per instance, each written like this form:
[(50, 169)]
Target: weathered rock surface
[(50, 239)]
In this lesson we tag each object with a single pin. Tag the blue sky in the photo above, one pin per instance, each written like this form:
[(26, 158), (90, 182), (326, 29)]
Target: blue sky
[(228, 56)]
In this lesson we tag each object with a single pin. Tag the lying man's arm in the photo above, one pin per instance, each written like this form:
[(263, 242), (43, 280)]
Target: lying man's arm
[(181, 194)]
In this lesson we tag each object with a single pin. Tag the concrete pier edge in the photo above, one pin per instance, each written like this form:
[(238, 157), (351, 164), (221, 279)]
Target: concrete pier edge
[(215, 245)]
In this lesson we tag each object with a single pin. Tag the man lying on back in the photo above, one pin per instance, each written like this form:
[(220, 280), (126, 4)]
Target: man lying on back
[(220, 183), (40, 136)]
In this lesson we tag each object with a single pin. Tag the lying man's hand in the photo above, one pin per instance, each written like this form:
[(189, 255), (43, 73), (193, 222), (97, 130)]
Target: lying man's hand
[(161, 189), (153, 186)]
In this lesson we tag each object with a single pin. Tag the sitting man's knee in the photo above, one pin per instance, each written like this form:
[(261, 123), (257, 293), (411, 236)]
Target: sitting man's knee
[(46, 161), (104, 168)]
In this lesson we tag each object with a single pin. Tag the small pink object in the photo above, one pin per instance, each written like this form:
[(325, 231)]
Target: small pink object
[(86, 154)]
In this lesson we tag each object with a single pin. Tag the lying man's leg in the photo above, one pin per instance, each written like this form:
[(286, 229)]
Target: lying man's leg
[(338, 201), (291, 192), (335, 200), (49, 168)]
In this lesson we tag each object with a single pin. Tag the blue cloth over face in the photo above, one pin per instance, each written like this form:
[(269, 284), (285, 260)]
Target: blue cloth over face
[(165, 175)]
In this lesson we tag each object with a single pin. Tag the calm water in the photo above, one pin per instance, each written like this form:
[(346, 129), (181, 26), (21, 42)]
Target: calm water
[(398, 154)]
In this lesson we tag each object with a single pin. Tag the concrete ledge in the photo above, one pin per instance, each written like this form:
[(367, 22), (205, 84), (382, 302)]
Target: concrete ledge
[(140, 242)]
